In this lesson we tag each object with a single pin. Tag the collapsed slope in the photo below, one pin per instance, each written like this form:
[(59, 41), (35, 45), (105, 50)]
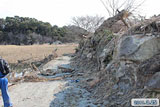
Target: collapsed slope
[(119, 67)]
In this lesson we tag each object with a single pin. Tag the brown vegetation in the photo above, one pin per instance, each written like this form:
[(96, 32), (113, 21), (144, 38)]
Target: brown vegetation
[(32, 53)]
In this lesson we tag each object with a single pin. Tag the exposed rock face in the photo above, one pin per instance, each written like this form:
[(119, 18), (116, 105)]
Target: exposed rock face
[(137, 47), (154, 83), (110, 22), (123, 64)]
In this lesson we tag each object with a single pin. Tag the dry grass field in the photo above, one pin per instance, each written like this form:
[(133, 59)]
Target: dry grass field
[(14, 53)]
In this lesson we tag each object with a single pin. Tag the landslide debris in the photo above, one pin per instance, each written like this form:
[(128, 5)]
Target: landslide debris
[(120, 66)]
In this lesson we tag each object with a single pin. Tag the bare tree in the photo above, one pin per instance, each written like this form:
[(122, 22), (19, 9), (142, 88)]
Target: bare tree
[(114, 6), (127, 7), (90, 23)]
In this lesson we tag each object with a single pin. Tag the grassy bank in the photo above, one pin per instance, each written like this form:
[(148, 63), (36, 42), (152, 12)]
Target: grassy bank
[(32, 53), (13, 53)]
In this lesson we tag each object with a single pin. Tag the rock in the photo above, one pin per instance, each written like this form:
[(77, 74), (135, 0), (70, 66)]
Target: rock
[(57, 42), (107, 24), (120, 72), (89, 56), (93, 82), (120, 62), (106, 103), (150, 66), (65, 68), (137, 47), (123, 86), (107, 54), (73, 96), (115, 87), (80, 74), (153, 83), (49, 72), (120, 93)]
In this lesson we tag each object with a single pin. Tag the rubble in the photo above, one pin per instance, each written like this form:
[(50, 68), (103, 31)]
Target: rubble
[(123, 64), (65, 68), (73, 96), (49, 72)]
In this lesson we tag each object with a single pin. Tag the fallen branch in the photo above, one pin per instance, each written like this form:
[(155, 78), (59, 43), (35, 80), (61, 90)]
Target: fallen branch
[(21, 61)]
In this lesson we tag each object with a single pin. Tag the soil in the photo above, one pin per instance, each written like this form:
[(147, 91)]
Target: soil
[(59, 93)]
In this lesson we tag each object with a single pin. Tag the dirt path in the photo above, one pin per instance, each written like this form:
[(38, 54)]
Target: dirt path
[(31, 94), (64, 93)]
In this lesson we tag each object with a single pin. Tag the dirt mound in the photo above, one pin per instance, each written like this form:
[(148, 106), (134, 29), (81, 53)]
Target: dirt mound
[(115, 66), (151, 26)]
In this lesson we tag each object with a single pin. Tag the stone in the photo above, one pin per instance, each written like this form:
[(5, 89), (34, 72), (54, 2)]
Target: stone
[(121, 63), (120, 72), (89, 56), (153, 84), (93, 82), (150, 66), (49, 72), (120, 93), (137, 48), (115, 87), (65, 68), (57, 42)]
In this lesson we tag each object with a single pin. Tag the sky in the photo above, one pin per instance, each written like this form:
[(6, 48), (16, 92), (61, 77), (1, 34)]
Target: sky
[(60, 12)]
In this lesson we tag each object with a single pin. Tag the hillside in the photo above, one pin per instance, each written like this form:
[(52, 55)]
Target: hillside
[(23, 30), (120, 66)]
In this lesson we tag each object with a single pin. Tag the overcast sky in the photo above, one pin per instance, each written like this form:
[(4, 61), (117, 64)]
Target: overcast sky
[(60, 12)]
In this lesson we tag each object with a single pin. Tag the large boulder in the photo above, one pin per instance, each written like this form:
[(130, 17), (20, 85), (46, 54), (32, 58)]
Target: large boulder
[(138, 47)]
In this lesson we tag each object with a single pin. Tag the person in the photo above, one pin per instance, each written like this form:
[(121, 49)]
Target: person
[(4, 70)]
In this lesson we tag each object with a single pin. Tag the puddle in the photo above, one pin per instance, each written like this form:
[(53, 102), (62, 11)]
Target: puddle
[(56, 75)]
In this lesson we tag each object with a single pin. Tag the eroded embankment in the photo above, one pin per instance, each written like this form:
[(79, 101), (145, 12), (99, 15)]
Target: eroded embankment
[(121, 66)]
